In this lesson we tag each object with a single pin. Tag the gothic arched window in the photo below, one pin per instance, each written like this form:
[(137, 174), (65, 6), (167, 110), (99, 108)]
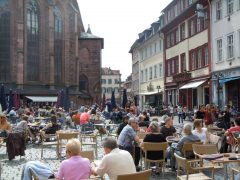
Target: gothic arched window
[(4, 40), (83, 83), (58, 44), (33, 53)]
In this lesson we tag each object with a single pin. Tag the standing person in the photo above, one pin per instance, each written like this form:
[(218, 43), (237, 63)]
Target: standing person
[(200, 113), (170, 110), (184, 113), (128, 136), (225, 115), (208, 117), (180, 113), (115, 161)]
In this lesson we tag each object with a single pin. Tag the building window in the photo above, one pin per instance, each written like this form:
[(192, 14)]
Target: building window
[(150, 73), (192, 27), (219, 50), (230, 52), (183, 62), (205, 56), (205, 20), (146, 75), (103, 90), (160, 70), (116, 81), (155, 71), (193, 60), (199, 58), (58, 44), (168, 41), (160, 45), (176, 36), (177, 66), (182, 33), (4, 41), (219, 10), (109, 81), (155, 48), (104, 81), (168, 68), (109, 90), (198, 25), (229, 7), (173, 67), (32, 41), (172, 38), (141, 76), (83, 83), (190, 2)]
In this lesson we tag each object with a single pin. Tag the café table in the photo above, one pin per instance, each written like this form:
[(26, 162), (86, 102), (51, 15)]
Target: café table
[(224, 158)]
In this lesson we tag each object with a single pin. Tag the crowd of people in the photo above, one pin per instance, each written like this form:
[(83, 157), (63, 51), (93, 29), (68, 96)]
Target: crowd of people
[(122, 156)]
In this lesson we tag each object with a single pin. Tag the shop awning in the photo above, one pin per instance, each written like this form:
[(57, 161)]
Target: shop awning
[(192, 84), (149, 93), (42, 98), (223, 81)]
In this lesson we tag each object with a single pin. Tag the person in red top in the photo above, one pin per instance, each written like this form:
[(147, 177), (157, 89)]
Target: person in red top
[(85, 117), (208, 116), (236, 128)]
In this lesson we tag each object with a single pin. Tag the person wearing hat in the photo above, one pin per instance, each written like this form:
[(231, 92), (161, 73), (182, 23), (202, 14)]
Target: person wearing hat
[(128, 136), (168, 129), (5, 126), (123, 124)]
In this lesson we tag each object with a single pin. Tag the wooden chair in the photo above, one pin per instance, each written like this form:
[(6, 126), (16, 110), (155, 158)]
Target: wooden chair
[(192, 173), (64, 136), (88, 154), (149, 147), (213, 139), (91, 141), (143, 175), (45, 144), (236, 141), (187, 147), (235, 172)]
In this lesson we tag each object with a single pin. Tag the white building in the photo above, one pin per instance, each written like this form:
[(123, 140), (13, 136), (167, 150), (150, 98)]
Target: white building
[(149, 51), (111, 81), (226, 52)]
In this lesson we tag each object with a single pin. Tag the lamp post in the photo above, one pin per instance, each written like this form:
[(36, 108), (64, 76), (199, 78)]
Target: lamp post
[(158, 88)]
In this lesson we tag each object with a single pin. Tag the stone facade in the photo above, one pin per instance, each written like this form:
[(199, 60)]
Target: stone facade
[(49, 50)]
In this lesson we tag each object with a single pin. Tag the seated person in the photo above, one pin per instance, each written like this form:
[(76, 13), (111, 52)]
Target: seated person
[(154, 136), (5, 126), (200, 131), (22, 126), (142, 122), (168, 129), (123, 124), (115, 161), (50, 128), (74, 167), (177, 147), (228, 135), (128, 136)]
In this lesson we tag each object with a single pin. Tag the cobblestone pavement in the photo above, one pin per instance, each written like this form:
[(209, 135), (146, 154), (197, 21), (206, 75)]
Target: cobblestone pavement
[(11, 170)]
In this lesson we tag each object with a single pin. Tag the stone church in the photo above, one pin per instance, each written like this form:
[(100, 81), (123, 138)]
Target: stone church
[(44, 48)]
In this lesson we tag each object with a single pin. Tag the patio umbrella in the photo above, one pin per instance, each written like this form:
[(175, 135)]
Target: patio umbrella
[(58, 99), (61, 104), (113, 101), (103, 101), (3, 98), (10, 100), (15, 99), (66, 100), (124, 100)]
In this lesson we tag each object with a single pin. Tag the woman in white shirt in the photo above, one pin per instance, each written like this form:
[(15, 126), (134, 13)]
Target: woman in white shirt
[(200, 131)]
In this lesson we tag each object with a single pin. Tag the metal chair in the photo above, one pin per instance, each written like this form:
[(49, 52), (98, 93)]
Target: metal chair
[(52, 142), (188, 148), (89, 140)]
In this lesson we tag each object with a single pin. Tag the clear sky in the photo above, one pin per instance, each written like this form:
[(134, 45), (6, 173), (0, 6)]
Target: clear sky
[(119, 22)]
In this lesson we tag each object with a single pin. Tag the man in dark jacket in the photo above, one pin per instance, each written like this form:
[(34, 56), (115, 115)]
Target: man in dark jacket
[(123, 124)]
